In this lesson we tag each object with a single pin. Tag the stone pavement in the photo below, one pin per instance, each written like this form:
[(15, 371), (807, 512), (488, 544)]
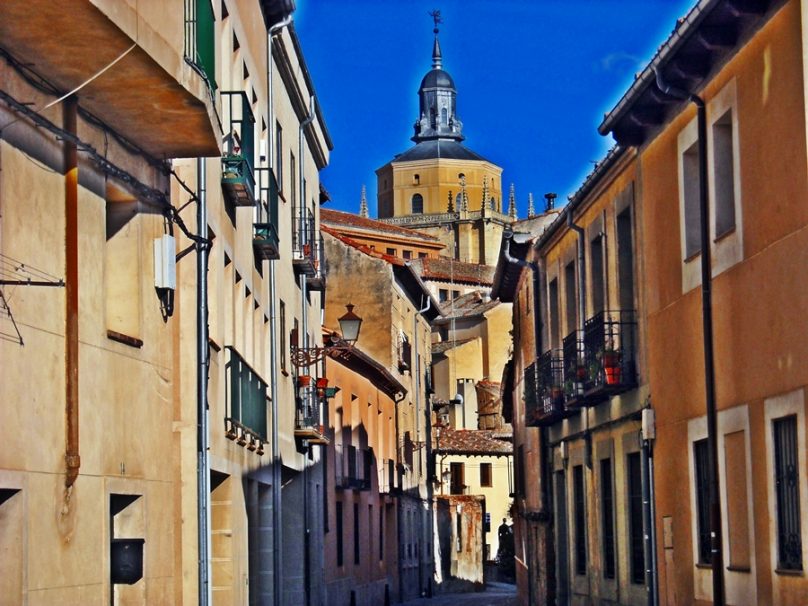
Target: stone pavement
[(495, 594)]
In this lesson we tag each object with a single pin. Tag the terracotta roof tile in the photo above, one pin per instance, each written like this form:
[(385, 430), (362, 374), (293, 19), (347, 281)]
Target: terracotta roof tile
[(443, 346), (337, 219), (473, 442), (450, 270)]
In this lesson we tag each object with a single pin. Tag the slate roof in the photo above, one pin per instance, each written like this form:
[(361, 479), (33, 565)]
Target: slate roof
[(473, 442), (468, 305), (444, 346), (440, 148)]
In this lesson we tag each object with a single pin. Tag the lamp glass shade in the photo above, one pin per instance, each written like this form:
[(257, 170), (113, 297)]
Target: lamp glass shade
[(349, 325)]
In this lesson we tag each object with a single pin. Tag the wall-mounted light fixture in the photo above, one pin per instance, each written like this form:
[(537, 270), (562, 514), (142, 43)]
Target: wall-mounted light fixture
[(349, 325)]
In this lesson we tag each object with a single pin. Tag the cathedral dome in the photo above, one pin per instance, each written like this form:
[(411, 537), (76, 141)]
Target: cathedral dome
[(437, 78)]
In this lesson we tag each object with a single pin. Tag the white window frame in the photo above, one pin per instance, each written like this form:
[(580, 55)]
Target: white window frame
[(740, 586), (792, 403), (728, 249)]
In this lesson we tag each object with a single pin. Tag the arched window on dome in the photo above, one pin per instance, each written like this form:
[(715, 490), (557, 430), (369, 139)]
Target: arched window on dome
[(444, 116), (417, 204)]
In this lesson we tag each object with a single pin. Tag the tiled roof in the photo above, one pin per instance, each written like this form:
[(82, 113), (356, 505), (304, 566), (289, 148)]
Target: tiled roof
[(455, 271), (468, 305), (472, 442), (444, 346), (339, 219)]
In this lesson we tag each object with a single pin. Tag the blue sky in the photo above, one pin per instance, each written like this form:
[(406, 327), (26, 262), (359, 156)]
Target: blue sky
[(533, 77)]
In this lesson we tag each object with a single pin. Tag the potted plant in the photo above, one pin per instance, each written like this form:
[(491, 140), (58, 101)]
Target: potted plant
[(610, 358), (322, 385), (303, 380)]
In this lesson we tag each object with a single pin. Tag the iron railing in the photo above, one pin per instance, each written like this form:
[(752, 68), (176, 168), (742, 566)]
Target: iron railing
[(247, 392), (609, 350), (266, 239), (238, 161), (543, 389)]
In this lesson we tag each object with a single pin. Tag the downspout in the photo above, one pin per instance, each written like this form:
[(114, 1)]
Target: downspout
[(72, 458), (203, 471), (277, 530), (305, 332), (717, 559), (545, 514), (427, 439)]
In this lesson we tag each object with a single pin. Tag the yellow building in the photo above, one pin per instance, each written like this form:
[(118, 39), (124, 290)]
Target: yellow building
[(92, 410)]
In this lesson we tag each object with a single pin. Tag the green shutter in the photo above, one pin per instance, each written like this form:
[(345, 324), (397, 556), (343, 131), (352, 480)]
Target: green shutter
[(205, 40)]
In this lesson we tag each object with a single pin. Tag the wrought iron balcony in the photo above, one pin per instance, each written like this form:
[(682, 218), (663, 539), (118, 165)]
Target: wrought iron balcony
[(609, 349), (238, 180), (353, 467), (317, 281), (576, 373), (309, 423), (266, 241), (544, 390), (304, 242), (247, 399)]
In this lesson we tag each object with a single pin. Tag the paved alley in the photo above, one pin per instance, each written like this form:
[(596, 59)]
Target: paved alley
[(496, 594)]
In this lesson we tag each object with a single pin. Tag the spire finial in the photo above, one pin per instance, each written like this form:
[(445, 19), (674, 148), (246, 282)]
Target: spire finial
[(484, 205), (437, 58), (531, 212), (363, 203), (464, 200), (450, 206), (512, 202)]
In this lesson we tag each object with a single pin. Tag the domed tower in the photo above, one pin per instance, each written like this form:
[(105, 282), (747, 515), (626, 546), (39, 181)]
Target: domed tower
[(439, 186), (438, 103)]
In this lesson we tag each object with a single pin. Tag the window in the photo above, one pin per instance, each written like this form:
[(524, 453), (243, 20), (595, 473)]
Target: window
[(485, 474), (635, 529), (356, 533), (339, 534), (416, 179), (724, 171), (457, 476), (690, 185), (553, 310), (292, 179), (789, 533), (596, 258), (701, 459), (417, 204), (391, 252), (381, 533), (444, 116), (422, 255), (571, 300), (578, 496), (279, 155), (625, 260), (607, 518), (122, 268), (282, 332), (14, 562), (443, 295), (520, 471), (458, 532), (407, 254)]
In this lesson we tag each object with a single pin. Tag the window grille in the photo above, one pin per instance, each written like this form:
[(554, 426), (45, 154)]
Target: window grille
[(580, 519), (636, 538), (607, 517), (701, 456), (787, 489)]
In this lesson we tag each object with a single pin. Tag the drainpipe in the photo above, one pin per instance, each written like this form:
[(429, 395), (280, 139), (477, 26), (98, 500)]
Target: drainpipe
[(203, 469), (545, 515), (305, 331), (72, 459), (717, 559), (273, 347)]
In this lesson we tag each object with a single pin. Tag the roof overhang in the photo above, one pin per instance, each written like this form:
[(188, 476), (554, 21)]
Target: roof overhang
[(701, 44)]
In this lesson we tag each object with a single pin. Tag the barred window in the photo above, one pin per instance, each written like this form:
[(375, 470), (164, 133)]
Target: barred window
[(636, 538), (607, 517), (580, 519), (701, 457), (787, 490)]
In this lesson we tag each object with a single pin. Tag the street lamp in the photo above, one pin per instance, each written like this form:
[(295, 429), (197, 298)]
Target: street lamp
[(349, 324)]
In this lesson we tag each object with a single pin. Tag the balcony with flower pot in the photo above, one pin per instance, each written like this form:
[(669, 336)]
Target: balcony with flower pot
[(316, 281), (577, 379), (305, 243), (544, 392), (266, 241), (609, 349), (246, 405), (309, 417)]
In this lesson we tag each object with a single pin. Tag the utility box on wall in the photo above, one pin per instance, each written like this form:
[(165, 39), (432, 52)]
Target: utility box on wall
[(126, 560)]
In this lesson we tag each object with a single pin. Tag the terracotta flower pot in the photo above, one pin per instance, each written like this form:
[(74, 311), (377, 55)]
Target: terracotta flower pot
[(612, 375), (304, 380)]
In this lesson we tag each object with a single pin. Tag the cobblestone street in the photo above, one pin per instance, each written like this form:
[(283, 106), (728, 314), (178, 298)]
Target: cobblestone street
[(495, 594)]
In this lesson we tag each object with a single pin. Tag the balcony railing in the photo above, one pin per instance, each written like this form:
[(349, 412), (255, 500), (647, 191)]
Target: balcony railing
[(353, 467), (609, 346), (266, 241), (200, 40), (543, 389), (317, 280), (576, 374), (247, 405), (304, 240), (309, 423), (238, 180)]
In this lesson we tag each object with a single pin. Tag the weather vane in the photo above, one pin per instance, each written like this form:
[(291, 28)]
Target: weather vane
[(435, 14)]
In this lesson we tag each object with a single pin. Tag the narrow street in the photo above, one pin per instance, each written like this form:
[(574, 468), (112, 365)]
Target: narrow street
[(495, 594)]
